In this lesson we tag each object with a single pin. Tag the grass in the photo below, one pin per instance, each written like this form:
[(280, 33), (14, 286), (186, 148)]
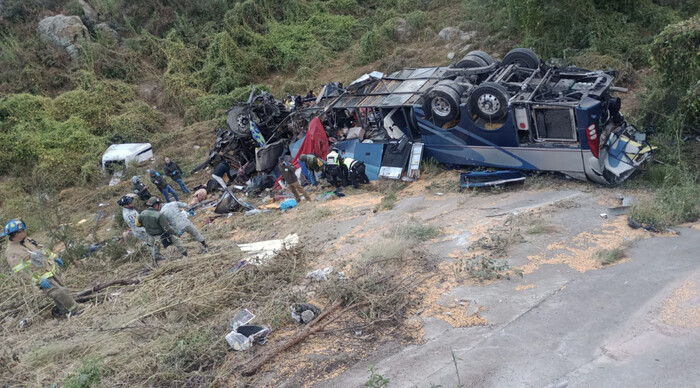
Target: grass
[(88, 375), (484, 267), (610, 256), (431, 167), (676, 199), (415, 231), (376, 380), (498, 241)]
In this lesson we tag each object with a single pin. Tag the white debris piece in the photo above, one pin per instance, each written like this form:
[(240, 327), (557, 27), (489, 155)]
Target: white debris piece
[(320, 275), (261, 251)]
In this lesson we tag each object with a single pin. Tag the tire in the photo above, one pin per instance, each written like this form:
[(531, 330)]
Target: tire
[(459, 89), (441, 104), (238, 120), (523, 57), (483, 55), (471, 61), (489, 101)]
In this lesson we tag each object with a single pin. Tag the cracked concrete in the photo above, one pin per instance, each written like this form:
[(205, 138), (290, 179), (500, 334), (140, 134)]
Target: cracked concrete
[(556, 326)]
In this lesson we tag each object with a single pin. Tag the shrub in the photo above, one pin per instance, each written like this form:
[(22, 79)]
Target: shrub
[(212, 106), (371, 46), (88, 375), (17, 108), (135, 124)]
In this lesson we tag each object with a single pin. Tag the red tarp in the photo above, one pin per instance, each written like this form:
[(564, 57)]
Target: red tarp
[(315, 142)]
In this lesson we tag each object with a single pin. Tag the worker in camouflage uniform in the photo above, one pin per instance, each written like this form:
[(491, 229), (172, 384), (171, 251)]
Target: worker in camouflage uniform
[(178, 220), (25, 256), (158, 230)]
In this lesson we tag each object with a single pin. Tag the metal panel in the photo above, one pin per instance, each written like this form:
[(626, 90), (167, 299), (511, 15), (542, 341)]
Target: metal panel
[(424, 72), (410, 86), (396, 99)]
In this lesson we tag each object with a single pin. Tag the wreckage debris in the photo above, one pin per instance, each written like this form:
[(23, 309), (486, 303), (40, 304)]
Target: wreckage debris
[(242, 335), (304, 312)]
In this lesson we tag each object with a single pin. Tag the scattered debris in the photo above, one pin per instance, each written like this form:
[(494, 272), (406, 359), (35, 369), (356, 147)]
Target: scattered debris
[(288, 204), (320, 275), (242, 335), (304, 312), (603, 215), (490, 178), (259, 252)]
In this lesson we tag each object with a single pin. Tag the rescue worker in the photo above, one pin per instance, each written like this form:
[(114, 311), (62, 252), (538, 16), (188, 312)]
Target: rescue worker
[(289, 176), (131, 215), (174, 171), (25, 256), (140, 189), (158, 230), (162, 185), (178, 220), (313, 164), (356, 172), (335, 169), (222, 169)]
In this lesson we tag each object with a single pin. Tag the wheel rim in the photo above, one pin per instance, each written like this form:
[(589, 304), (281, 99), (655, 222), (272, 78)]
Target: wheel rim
[(441, 107), (243, 121), (488, 103)]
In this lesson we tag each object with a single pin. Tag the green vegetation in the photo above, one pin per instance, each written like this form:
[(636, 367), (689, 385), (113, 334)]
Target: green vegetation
[(610, 256), (88, 375), (376, 380)]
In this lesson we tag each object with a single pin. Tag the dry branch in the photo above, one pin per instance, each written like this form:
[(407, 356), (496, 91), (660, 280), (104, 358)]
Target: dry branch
[(100, 287), (311, 328)]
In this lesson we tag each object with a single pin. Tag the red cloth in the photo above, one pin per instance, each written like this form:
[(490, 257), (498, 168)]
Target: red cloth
[(315, 142)]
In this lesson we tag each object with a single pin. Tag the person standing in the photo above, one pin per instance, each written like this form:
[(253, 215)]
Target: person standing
[(174, 171), (26, 257), (289, 176), (131, 215), (178, 220), (159, 230), (162, 185), (140, 189)]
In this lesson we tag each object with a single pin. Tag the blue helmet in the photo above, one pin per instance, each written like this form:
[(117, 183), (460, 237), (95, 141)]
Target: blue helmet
[(13, 226)]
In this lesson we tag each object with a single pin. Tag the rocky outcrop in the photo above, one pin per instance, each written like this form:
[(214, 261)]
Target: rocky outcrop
[(106, 31), (90, 13), (63, 32)]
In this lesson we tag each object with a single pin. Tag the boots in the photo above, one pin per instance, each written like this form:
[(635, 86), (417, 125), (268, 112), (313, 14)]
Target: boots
[(205, 247)]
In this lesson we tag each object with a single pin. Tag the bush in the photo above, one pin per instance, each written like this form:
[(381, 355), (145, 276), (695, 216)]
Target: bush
[(88, 375), (675, 202), (135, 124), (17, 108), (212, 106)]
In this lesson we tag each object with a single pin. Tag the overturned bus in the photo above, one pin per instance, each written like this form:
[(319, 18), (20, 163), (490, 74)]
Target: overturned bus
[(516, 114)]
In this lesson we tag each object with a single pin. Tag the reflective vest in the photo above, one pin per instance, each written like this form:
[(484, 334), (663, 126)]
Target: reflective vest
[(19, 259), (333, 158), (348, 162)]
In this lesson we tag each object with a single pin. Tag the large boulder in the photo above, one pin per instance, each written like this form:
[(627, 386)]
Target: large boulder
[(449, 33), (63, 32)]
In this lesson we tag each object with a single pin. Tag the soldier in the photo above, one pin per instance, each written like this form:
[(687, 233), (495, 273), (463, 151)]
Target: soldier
[(25, 256), (158, 230), (178, 220)]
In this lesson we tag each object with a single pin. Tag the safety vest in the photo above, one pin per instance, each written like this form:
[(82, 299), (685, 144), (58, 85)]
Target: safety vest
[(333, 158), (22, 262), (348, 162)]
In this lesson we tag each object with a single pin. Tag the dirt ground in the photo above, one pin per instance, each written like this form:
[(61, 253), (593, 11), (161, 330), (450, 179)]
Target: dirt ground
[(548, 221)]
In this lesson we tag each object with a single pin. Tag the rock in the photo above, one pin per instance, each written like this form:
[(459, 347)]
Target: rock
[(402, 31), (105, 30), (88, 11), (63, 32), (196, 147), (472, 309), (449, 33), (465, 36)]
